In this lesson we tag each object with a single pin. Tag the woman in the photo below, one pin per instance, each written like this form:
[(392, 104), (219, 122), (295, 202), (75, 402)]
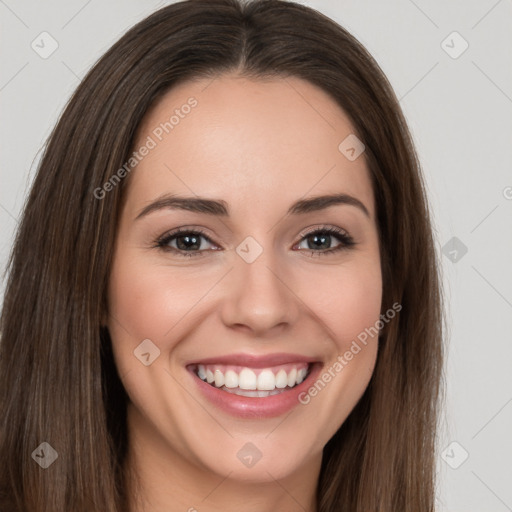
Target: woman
[(224, 292)]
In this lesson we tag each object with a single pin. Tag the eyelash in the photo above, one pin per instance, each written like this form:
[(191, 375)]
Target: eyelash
[(346, 241)]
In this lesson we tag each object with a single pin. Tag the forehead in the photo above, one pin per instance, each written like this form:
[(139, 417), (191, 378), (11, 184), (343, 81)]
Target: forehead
[(249, 142)]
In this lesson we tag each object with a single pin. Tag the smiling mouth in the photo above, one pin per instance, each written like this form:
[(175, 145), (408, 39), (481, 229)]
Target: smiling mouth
[(253, 382)]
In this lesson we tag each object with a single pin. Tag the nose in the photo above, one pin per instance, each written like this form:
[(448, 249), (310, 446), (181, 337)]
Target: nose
[(259, 298)]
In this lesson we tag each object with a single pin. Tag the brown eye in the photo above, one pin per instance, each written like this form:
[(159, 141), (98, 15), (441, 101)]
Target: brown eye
[(321, 241), (184, 242)]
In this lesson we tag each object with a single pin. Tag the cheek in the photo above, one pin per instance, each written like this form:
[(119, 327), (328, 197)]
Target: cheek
[(145, 302), (349, 301)]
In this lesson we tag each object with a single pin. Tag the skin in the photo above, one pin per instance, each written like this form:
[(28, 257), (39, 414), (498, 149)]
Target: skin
[(259, 146)]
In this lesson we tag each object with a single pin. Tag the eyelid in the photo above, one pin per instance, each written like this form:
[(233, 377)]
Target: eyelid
[(172, 233), (343, 236), (322, 227)]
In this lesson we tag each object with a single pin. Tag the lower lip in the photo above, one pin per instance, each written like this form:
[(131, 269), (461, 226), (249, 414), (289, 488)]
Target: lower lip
[(254, 407)]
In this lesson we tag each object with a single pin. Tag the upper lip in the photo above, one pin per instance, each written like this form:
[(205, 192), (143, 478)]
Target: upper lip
[(255, 361)]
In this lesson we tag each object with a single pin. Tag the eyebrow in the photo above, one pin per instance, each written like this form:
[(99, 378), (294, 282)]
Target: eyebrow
[(220, 208)]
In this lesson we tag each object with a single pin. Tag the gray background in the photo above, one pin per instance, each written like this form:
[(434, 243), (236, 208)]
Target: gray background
[(459, 111)]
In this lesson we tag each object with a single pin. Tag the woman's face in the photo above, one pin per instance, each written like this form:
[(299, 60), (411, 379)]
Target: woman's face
[(213, 328)]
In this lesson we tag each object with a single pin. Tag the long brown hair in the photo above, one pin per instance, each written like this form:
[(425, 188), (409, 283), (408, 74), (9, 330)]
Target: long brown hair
[(58, 382)]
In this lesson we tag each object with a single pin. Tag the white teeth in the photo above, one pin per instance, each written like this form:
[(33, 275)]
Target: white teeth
[(300, 375), (219, 378), (266, 380), (292, 377), (252, 393), (281, 379), (247, 379), (230, 379)]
